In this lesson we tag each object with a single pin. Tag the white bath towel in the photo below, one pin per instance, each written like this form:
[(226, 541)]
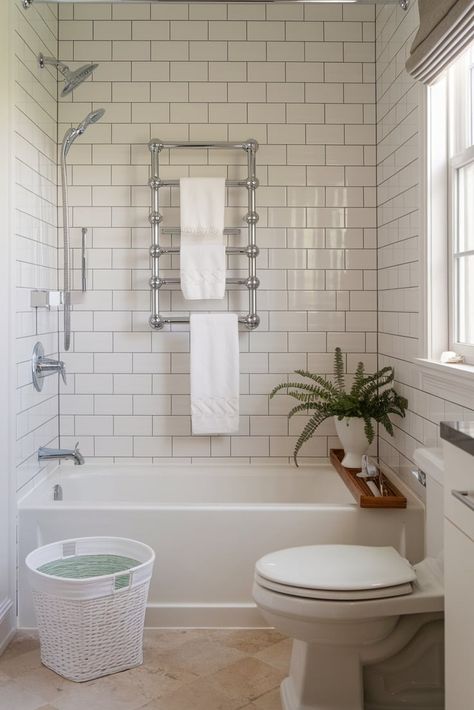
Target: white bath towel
[(202, 251), (214, 373)]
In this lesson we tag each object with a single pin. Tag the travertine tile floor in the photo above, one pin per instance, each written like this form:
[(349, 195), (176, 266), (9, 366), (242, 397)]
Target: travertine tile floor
[(183, 670)]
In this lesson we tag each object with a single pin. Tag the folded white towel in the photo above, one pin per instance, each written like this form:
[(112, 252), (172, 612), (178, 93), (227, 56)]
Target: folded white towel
[(214, 373), (202, 251)]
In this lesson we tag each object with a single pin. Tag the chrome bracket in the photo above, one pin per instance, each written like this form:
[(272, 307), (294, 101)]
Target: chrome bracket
[(404, 4), (26, 4)]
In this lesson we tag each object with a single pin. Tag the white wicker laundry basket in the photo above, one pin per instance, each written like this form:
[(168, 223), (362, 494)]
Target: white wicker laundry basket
[(90, 598)]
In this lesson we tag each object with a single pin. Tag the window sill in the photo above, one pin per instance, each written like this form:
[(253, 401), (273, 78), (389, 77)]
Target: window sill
[(454, 383)]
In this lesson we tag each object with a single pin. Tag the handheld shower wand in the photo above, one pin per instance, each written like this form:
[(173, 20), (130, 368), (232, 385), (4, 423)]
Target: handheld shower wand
[(70, 136)]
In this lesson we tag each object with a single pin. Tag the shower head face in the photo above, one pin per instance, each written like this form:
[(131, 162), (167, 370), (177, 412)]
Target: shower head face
[(73, 79)]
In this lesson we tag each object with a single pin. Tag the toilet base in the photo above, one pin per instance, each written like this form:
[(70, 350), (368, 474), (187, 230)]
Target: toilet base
[(325, 677)]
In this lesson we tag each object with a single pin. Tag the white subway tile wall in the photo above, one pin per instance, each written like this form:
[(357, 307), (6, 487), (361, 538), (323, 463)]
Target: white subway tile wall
[(399, 264), (35, 238), (300, 80)]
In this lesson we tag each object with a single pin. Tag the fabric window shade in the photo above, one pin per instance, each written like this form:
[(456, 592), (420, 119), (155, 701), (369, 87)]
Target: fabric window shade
[(446, 29)]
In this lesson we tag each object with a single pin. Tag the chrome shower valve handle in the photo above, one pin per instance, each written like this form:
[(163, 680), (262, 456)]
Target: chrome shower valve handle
[(42, 366)]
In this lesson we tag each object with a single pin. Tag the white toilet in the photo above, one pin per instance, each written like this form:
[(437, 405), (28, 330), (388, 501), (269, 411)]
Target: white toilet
[(367, 626)]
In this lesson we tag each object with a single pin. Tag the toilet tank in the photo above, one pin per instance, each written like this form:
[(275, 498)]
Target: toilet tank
[(431, 462)]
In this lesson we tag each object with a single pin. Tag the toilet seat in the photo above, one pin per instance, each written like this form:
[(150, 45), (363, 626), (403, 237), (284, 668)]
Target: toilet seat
[(335, 595), (336, 572)]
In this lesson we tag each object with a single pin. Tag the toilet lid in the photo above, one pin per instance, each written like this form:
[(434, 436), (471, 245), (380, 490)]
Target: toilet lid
[(336, 568)]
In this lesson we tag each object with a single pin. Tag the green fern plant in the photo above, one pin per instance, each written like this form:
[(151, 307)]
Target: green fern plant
[(371, 398)]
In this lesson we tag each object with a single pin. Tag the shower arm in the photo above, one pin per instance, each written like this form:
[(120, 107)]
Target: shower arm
[(60, 66)]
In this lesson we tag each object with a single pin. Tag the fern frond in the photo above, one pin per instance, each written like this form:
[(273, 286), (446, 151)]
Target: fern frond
[(339, 369), (307, 433), (359, 380), (319, 379), (305, 407)]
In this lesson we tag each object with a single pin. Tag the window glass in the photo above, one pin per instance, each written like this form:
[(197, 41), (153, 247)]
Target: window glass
[(465, 299), (465, 207)]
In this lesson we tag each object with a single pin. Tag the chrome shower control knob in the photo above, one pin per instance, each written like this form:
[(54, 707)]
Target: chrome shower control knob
[(154, 183), (252, 282)]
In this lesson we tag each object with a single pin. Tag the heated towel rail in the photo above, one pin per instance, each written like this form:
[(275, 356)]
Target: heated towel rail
[(157, 321)]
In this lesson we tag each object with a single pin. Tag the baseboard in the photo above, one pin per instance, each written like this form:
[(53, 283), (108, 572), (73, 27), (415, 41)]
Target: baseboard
[(204, 616)]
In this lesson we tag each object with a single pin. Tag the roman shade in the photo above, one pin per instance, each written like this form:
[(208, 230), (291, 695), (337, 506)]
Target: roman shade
[(446, 29)]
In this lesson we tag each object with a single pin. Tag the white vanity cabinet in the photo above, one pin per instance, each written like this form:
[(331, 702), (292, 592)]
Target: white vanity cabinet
[(459, 577)]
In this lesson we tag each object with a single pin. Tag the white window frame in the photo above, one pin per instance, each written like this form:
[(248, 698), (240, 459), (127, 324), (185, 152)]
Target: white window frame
[(439, 140), (460, 154)]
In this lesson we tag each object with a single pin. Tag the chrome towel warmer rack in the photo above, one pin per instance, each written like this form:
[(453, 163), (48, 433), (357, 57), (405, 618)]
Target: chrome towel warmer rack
[(250, 146)]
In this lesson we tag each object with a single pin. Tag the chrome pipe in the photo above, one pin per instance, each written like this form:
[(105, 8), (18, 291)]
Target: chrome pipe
[(252, 219), (156, 321), (230, 231), (201, 144), (251, 283), (155, 221), (161, 321), (155, 253), (175, 183)]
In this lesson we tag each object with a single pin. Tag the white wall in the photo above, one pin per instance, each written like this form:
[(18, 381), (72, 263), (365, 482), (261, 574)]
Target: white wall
[(400, 248), (35, 226), (7, 483), (299, 79)]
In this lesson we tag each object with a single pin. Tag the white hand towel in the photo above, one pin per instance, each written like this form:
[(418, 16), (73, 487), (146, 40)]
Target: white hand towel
[(202, 251), (214, 373)]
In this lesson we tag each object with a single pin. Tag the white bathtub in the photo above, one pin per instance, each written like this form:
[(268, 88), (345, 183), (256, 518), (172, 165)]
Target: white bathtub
[(208, 524)]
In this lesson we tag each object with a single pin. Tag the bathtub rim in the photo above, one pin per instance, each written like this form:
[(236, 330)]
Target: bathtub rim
[(27, 492)]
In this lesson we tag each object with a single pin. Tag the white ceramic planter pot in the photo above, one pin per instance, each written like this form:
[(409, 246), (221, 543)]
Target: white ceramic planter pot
[(350, 431)]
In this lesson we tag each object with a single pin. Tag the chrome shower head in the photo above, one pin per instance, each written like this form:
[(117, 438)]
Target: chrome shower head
[(73, 133), (72, 79)]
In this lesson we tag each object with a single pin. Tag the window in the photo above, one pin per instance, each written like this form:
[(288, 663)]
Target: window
[(450, 247)]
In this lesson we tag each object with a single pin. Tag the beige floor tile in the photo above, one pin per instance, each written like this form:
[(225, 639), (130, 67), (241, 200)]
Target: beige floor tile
[(44, 683), (156, 640), (151, 682), (245, 640), (269, 701), (194, 669), (20, 663), (199, 695), (200, 656), (14, 696), (278, 654), (101, 694), (248, 678)]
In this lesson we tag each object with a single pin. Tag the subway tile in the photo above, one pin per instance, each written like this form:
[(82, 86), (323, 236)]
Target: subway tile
[(301, 83)]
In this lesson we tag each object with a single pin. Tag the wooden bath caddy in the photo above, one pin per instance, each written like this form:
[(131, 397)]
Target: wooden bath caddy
[(361, 491)]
